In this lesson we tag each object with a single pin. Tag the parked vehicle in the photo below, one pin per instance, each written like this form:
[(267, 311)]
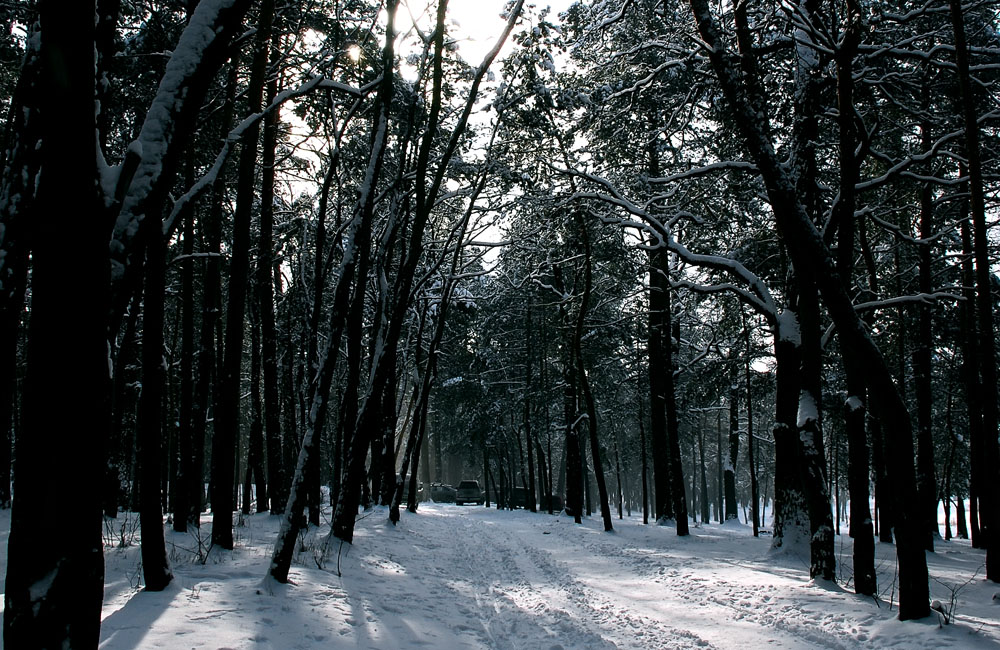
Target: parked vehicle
[(406, 492), (469, 492), (443, 493), (557, 502)]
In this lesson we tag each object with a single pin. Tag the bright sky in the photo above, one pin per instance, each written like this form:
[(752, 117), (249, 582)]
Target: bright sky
[(481, 21)]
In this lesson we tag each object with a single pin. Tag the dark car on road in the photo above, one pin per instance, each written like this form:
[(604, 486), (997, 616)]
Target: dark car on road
[(469, 492), (442, 493)]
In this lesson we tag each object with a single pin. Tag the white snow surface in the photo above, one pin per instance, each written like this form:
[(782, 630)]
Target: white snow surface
[(471, 577)]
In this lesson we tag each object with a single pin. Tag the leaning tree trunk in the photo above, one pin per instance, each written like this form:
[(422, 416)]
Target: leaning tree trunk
[(383, 365), (358, 237)]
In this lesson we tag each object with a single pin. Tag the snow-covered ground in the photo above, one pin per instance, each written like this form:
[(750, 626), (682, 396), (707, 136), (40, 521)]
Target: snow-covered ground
[(471, 577)]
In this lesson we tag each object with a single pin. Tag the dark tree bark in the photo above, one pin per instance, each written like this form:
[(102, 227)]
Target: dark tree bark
[(732, 453), (822, 562), (811, 256), (181, 504), (658, 348), (17, 208), (790, 520), (55, 570), (421, 401), (719, 481), (227, 417), (255, 439), (274, 498), (155, 569), (861, 527), (528, 440), (678, 500), (970, 380), (618, 478), (206, 377), (370, 420), (117, 456), (922, 352), (705, 509), (751, 455), (588, 397), (989, 496), (571, 421), (358, 238)]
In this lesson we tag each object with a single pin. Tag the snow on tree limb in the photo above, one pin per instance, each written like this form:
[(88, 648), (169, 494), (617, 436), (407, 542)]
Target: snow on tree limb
[(760, 296), (236, 133), (177, 98)]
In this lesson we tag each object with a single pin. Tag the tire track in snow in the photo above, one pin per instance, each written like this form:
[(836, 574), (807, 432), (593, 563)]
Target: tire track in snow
[(573, 614), (745, 602)]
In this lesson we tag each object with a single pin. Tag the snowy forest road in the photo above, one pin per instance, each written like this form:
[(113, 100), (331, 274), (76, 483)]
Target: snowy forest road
[(515, 580), (603, 591), (472, 577)]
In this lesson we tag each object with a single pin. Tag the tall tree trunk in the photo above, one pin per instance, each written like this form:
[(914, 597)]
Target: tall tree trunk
[(181, 505), (658, 365), (114, 486), (572, 457), (814, 469), (790, 517), (861, 525), (678, 500), (387, 341), (705, 509), (357, 239), (205, 389), (618, 478), (528, 440), (255, 442), (810, 255), (989, 497), (642, 456), (155, 569), (273, 499), (17, 208), (227, 417), (733, 450), (719, 464), (387, 443), (922, 368), (751, 455), (55, 569), (970, 380), (588, 397)]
